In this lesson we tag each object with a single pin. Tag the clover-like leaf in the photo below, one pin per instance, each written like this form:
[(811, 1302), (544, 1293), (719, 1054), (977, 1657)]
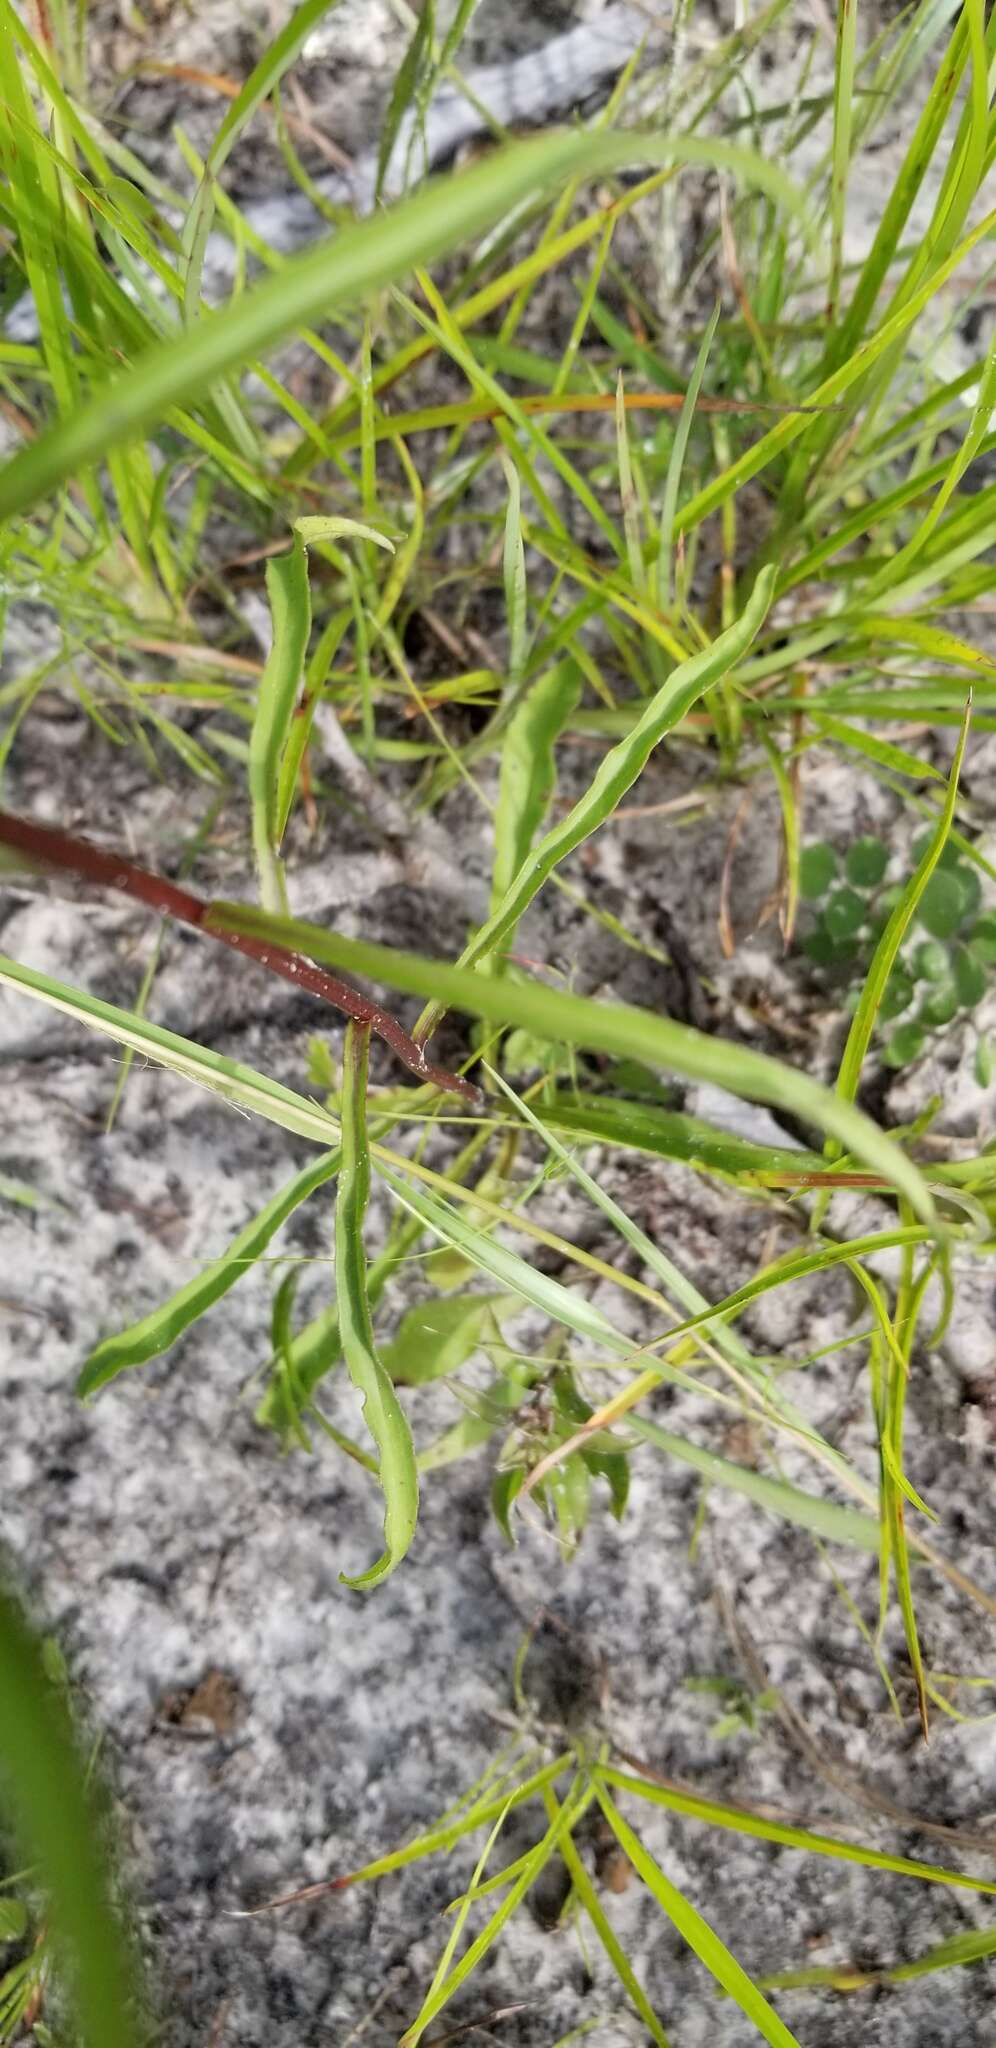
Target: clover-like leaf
[(969, 977), (897, 994), (845, 913), (940, 1005), (817, 868), (931, 961), (866, 863), (905, 1045), (942, 905)]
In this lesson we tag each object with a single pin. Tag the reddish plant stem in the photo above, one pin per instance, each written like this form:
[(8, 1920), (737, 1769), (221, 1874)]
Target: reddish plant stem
[(56, 849)]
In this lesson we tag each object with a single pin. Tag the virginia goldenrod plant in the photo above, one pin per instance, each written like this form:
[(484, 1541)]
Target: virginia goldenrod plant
[(766, 529)]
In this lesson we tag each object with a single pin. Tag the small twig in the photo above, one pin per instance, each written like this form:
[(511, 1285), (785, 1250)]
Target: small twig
[(57, 849)]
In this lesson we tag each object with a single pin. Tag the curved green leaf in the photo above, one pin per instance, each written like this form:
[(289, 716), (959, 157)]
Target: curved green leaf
[(382, 1412), (339, 272), (156, 1332), (616, 774), (615, 1028), (44, 1783)]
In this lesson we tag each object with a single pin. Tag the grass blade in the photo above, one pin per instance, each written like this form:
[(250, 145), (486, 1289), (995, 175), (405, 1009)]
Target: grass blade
[(44, 1781), (159, 1331), (589, 1899), (528, 770), (883, 961), (722, 1966), (382, 1411), (337, 274), (277, 58), (562, 1304), (242, 1086), (290, 606), (843, 103), (614, 1028), (567, 1818), (716, 1813), (616, 774), (676, 463), (827, 1519)]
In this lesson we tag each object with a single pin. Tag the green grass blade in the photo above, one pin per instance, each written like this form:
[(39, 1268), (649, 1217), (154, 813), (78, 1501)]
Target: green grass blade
[(528, 770), (827, 1519), (562, 1304), (317, 670), (461, 1907), (514, 578), (616, 774), (676, 463), (588, 1898), (972, 1947), (404, 91), (919, 154), (715, 1813), (884, 753), (701, 1939), (675, 1283), (834, 387), (290, 606), (535, 1862), (242, 1086), (673, 1134), (843, 104), (326, 280), (382, 1411), (44, 1790), (277, 58), (893, 572), (157, 1332), (614, 1028), (884, 958), (482, 1813), (797, 1266)]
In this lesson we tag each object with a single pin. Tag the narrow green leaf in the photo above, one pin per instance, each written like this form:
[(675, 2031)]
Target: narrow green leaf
[(676, 463), (618, 771), (514, 578), (588, 1899), (404, 91), (672, 1134), (562, 1304), (528, 770), (701, 1939), (44, 1782), (884, 753), (335, 275), (243, 1086), (739, 1819), (290, 605), (13, 1919), (534, 1863), (884, 958), (277, 58), (157, 1332), (614, 1028), (827, 394), (843, 104), (827, 1519), (319, 526), (382, 1412)]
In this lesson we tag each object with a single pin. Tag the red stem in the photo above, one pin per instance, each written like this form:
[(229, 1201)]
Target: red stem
[(56, 849)]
